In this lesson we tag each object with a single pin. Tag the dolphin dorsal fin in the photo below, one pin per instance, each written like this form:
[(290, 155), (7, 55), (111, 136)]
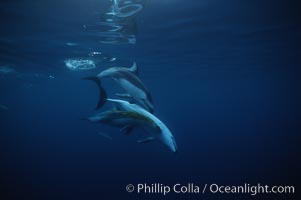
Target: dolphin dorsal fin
[(134, 69)]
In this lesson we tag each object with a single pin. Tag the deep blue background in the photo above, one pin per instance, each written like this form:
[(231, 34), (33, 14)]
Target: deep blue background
[(224, 76)]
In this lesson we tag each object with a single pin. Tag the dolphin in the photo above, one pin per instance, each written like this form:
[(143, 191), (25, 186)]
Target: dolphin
[(121, 118), (161, 133), (128, 79)]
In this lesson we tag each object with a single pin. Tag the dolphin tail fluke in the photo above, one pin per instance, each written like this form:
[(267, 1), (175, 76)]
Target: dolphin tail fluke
[(102, 92)]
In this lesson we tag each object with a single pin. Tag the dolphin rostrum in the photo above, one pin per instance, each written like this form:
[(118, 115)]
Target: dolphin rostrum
[(128, 79), (161, 133)]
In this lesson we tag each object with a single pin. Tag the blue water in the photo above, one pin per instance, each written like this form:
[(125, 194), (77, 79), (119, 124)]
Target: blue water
[(224, 76)]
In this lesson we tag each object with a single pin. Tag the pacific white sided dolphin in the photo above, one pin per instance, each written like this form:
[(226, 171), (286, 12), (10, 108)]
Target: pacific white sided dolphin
[(128, 79), (160, 133), (122, 118)]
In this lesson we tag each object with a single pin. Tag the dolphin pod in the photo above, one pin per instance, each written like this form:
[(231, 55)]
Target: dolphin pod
[(135, 109)]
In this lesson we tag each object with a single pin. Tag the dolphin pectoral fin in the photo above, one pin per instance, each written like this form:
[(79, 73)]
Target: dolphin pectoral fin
[(134, 69), (127, 129), (146, 140), (128, 97), (123, 95), (102, 92)]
